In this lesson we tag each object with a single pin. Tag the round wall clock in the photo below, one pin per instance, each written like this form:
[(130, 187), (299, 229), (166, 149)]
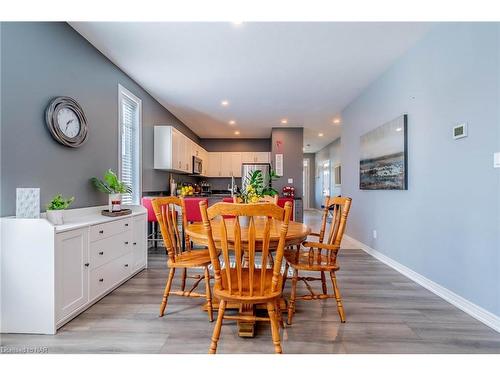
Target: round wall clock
[(66, 121)]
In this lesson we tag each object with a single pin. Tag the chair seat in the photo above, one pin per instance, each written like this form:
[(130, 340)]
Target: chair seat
[(193, 258), (310, 260), (245, 294)]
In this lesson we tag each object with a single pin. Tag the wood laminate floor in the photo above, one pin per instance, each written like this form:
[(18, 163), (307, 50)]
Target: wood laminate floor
[(386, 313)]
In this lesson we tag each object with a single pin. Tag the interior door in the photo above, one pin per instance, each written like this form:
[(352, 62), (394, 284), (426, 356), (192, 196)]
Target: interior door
[(72, 271)]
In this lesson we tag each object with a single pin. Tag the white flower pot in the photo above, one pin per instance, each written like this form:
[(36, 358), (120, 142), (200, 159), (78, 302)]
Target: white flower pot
[(115, 202), (55, 216)]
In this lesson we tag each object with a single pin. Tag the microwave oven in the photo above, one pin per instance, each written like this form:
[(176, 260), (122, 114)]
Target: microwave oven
[(197, 165)]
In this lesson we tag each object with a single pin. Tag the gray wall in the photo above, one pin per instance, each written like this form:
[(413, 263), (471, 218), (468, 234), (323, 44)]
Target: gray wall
[(330, 152), (292, 143), (44, 60), (236, 145), (446, 225), (312, 173)]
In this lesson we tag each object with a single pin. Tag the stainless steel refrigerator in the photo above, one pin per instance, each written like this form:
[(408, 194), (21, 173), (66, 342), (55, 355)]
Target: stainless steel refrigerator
[(246, 168)]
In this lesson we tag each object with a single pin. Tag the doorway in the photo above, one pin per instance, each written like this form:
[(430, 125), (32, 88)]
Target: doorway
[(306, 184)]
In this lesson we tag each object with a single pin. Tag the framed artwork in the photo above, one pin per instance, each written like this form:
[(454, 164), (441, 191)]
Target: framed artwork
[(383, 163)]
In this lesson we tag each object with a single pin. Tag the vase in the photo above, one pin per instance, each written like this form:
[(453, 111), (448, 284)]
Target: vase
[(55, 216), (115, 202)]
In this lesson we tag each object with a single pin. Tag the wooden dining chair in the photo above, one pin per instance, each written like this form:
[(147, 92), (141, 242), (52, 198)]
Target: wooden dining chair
[(166, 212), (320, 256), (242, 282), (269, 199)]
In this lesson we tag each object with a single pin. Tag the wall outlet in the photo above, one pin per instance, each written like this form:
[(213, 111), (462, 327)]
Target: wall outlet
[(290, 180), (375, 234)]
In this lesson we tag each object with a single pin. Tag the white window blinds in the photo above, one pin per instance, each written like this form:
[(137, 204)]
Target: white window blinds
[(130, 129)]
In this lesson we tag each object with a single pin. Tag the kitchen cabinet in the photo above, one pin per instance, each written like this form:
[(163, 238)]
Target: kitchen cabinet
[(255, 157), (224, 164), (215, 164), (173, 151), (51, 273)]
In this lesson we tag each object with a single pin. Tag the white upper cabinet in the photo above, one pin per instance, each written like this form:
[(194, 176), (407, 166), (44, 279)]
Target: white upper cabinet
[(255, 157), (236, 164), (214, 164), (174, 151)]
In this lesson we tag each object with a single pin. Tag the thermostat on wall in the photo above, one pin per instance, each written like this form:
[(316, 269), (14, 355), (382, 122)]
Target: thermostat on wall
[(460, 131)]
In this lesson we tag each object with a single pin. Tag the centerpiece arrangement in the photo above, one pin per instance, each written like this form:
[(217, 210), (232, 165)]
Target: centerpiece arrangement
[(255, 188), (56, 207), (111, 185)]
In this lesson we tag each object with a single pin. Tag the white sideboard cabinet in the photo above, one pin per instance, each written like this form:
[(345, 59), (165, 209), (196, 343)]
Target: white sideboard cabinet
[(50, 274)]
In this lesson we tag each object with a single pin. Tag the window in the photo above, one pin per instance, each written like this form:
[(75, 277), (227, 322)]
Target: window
[(129, 143)]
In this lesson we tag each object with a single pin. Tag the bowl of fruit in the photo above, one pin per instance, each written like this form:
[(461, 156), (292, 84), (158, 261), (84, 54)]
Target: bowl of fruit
[(187, 190)]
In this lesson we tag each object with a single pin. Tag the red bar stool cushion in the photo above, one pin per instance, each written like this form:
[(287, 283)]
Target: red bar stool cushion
[(192, 205)]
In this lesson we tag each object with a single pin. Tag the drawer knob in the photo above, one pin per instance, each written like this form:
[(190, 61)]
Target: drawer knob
[(135, 243), (126, 265), (101, 252), (87, 264), (101, 280), (101, 231), (126, 242), (126, 224)]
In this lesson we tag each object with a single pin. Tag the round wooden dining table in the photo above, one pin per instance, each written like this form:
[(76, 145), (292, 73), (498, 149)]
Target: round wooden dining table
[(296, 234)]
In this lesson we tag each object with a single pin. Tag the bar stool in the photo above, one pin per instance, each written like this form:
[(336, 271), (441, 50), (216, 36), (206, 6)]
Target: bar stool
[(152, 221)]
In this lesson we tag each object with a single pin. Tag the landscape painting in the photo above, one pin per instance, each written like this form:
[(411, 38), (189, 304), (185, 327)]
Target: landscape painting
[(383, 159)]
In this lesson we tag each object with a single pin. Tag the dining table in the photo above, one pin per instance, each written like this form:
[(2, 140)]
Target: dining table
[(296, 234)]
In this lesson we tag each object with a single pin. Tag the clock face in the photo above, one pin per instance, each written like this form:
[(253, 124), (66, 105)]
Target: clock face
[(68, 122)]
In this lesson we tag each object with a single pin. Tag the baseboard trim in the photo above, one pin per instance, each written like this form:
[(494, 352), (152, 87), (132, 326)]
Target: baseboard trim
[(475, 311)]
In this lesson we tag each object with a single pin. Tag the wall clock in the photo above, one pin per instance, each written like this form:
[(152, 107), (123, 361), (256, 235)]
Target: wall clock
[(66, 121)]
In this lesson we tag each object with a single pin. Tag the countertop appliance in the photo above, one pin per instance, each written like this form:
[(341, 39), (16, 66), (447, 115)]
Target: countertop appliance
[(197, 165), (205, 187), (246, 168), (289, 191)]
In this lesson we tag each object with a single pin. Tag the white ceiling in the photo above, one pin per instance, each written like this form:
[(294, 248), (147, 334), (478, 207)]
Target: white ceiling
[(304, 72)]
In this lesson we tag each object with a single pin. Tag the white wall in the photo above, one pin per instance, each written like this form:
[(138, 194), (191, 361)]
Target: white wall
[(446, 225)]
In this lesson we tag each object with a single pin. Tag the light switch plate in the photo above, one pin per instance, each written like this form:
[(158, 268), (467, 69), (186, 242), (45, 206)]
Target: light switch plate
[(496, 160), (290, 180)]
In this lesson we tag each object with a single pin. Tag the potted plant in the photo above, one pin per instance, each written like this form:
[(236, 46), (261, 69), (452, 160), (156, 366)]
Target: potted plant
[(255, 190), (56, 207), (112, 186)]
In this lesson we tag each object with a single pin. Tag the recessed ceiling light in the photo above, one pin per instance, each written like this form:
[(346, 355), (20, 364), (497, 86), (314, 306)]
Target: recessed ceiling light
[(320, 134), (224, 103), (398, 129), (232, 122), (336, 121), (237, 132), (284, 121)]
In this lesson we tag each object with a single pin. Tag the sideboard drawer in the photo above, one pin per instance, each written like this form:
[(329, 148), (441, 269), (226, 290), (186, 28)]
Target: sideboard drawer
[(102, 251), (105, 277), (100, 231)]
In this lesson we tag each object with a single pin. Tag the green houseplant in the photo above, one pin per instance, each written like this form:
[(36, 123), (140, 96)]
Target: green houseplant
[(56, 207), (111, 185), (255, 188)]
